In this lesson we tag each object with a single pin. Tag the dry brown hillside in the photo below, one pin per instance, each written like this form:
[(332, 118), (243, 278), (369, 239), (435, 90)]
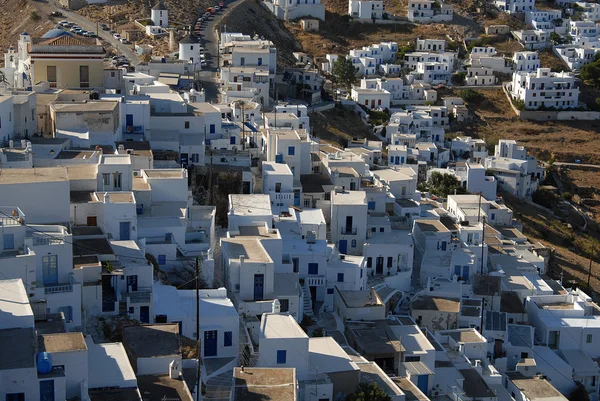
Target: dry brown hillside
[(122, 11), (17, 16), (252, 18)]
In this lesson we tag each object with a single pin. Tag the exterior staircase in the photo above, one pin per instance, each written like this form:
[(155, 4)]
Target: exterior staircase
[(218, 388), (307, 306)]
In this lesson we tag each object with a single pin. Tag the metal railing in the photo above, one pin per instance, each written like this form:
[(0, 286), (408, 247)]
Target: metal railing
[(349, 231)]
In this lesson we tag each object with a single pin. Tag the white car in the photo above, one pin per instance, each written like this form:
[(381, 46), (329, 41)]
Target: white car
[(123, 40), (117, 36)]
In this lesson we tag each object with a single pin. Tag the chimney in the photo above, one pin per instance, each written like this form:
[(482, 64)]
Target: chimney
[(276, 307), (174, 370)]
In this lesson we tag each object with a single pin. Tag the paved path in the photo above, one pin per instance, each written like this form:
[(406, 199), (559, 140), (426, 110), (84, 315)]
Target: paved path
[(210, 41), (126, 50)]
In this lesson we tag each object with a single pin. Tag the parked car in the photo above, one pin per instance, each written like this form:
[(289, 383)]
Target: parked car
[(203, 64), (124, 41), (104, 27), (56, 14), (63, 23), (116, 36)]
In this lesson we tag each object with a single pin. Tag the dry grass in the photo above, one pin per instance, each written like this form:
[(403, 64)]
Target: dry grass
[(338, 35), (509, 46), (567, 141), (338, 125), (15, 17), (570, 245), (549, 60)]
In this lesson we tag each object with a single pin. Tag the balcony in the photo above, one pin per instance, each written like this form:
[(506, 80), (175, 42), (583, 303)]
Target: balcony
[(316, 281), (10, 216), (47, 240), (349, 230), (134, 130), (59, 288)]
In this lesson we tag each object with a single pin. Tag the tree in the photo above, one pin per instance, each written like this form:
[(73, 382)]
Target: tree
[(579, 393), (443, 185), (344, 71), (368, 392), (591, 72)]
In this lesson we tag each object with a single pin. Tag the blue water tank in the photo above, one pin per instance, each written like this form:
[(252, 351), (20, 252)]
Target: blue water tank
[(44, 362)]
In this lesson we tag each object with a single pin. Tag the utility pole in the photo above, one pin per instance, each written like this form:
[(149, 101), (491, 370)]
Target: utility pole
[(210, 187), (198, 330), (482, 245), (590, 269)]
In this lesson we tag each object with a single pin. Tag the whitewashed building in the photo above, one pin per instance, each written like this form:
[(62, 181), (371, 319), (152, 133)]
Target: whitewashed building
[(544, 88), (429, 11)]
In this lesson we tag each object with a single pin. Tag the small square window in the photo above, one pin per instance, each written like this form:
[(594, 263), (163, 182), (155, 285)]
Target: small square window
[(330, 291), (187, 124), (340, 277), (353, 243), (131, 309), (588, 339), (162, 259)]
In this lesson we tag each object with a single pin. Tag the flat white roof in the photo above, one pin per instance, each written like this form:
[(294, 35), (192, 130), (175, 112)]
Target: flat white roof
[(250, 205), (116, 159), (327, 354), (311, 216), (170, 301), (14, 301), (349, 198), (276, 168), (412, 339), (108, 366), (280, 326)]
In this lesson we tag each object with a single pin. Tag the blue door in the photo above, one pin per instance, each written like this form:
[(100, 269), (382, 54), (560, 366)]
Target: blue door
[(465, 274), (423, 383), (259, 285), (296, 198), (9, 241), (47, 390), (443, 245), (129, 120), (124, 230), (145, 314), (210, 343), (343, 246), (371, 205)]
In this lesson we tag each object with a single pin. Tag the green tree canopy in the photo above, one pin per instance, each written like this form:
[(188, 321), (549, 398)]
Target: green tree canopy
[(368, 392), (344, 71), (443, 185), (591, 72)]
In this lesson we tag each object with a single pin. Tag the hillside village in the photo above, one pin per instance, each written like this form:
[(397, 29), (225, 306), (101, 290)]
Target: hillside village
[(241, 203)]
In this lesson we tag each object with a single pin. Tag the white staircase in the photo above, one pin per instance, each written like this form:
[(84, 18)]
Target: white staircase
[(218, 388), (307, 306)]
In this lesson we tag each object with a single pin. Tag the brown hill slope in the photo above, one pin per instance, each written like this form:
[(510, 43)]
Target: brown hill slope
[(252, 18), (17, 16)]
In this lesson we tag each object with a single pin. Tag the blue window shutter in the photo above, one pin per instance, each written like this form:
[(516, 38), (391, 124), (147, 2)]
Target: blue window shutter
[(340, 277), (162, 259), (291, 150), (281, 356), (313, 268), (228, 339)]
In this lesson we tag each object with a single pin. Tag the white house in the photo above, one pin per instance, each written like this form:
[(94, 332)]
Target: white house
[(219, 324), (544, 88), (526, 61), (589, 11), (480, 76), (429, 11), (278, 183), (532, 39), (366, 10), (349, 220), (288, 10), (515, 6), (372, 98)]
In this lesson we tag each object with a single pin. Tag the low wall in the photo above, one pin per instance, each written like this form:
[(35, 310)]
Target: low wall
[(538, 115), (322, 107)]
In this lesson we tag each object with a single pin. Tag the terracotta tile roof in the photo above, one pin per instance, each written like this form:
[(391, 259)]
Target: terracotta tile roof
[(64, 40)]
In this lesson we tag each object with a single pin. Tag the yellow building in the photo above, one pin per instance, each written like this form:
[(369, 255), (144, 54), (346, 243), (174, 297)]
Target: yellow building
[(67, 62)]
